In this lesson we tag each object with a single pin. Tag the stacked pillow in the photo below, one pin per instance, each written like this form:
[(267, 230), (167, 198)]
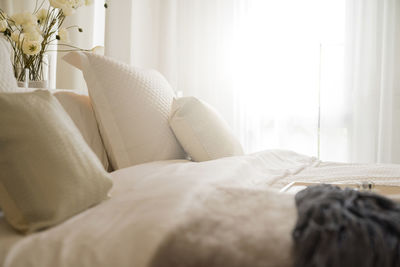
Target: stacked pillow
[(133, 109), (49, 172)]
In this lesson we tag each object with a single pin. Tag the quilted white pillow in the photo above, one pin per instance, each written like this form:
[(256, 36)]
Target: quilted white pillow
[(132, 106), (202, 132), (7, 79)]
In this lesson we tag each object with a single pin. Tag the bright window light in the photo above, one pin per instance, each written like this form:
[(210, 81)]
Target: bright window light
[(288, 71)]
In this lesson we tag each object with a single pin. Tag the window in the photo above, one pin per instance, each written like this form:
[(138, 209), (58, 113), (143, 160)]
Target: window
[(288, 77)]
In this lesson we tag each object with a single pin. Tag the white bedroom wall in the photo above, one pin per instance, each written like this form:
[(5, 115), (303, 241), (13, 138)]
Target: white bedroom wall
[(69, 77)]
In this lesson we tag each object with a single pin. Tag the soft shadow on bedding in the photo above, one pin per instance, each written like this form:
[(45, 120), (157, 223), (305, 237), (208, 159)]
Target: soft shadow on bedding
[(232, 227)]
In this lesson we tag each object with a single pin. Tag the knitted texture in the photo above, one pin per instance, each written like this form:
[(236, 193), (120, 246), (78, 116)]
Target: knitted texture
[(345, 228)]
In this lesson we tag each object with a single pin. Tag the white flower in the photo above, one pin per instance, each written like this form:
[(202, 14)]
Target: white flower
[(33, 33), (31, 47), (67, 6), (42, 15), (33, 37), (25, 18), (3, 25), (88, 2), (17, 36), (31, 28), (64, 35)]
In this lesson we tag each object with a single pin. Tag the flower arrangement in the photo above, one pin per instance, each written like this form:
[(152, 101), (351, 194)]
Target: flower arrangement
[(31, 34)]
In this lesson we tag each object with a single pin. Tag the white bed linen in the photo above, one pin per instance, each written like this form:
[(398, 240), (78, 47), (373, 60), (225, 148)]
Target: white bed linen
[(147, 199)]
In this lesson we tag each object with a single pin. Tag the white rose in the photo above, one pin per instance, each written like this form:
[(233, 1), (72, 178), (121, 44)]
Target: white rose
[(17, 36), (31, 47), (42, 15), (64, 35), (3, 25)]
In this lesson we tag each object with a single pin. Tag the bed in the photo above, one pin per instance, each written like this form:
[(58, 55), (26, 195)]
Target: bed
[(127, 124), (149, 199)]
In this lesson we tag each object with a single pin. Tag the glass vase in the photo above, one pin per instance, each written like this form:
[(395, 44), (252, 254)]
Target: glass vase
[(42, 78)]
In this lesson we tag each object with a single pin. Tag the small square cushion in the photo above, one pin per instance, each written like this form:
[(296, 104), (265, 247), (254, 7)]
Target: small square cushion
[(202, 131)]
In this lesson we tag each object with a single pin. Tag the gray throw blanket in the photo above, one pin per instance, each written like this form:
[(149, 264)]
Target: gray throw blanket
[(345, 228)]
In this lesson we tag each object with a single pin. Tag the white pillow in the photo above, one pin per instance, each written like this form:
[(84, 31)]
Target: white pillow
[(132, 107), (8, 82), (48, 172), (201, 131), (80, 110)]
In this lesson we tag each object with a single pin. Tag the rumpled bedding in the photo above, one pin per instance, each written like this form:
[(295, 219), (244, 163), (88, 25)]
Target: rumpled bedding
[(233, 227), (150, 200)]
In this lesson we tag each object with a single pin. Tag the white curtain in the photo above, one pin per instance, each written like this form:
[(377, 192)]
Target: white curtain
[(258, 62), (373, 80), (317, 76)]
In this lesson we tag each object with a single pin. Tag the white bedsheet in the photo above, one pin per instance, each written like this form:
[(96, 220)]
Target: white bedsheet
[(147, 199)]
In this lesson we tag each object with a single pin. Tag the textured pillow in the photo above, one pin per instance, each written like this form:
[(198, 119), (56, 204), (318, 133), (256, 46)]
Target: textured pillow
[(132, 107), (7, 79), (201, 131), (48, 172), (79, 108)]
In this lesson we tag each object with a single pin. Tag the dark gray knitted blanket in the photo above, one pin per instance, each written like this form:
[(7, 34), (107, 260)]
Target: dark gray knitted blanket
[(345, 228)]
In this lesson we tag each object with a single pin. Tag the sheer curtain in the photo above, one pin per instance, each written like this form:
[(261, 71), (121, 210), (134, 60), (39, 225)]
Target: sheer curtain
[(258, 62), (320, 77), (373, 79)]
